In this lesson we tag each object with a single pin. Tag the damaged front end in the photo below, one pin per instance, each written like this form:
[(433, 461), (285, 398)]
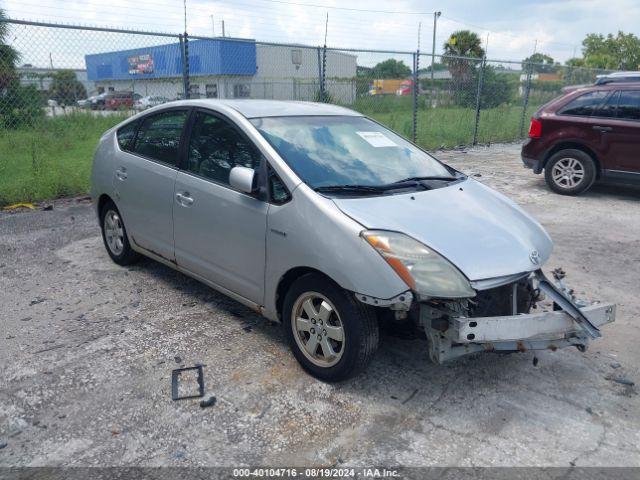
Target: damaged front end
[(500, 319)]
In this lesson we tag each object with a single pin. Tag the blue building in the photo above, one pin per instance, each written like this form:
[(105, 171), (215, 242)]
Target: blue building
[(222, 68)]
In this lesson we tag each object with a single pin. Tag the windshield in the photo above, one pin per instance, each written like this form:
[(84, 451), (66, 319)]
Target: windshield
[(328, 151)]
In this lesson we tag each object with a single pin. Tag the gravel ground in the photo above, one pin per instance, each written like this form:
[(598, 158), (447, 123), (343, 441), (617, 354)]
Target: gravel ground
[(87, 349)]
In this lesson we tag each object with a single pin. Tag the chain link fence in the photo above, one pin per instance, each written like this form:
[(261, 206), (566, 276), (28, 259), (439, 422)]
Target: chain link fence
[(61, 86)]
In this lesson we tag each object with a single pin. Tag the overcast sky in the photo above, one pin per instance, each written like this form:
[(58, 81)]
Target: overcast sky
[(513, 26)]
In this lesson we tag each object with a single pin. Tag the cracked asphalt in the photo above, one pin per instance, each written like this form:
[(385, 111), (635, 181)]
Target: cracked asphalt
[(87, 349)]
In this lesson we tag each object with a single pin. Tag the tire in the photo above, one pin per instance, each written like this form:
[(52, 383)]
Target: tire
[(570, 172), (331, 306), (114, 236)]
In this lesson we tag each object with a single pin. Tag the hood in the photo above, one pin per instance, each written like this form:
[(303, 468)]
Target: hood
[(480, 231)]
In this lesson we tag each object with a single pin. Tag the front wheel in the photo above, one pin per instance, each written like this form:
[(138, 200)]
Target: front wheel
[(570, 172), (331, 334)]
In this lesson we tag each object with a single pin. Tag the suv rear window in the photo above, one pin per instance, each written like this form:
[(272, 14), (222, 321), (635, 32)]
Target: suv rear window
[(584, 105)]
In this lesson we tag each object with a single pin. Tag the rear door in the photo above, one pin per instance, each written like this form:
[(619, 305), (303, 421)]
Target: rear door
[(220, 232), (144, 180), (575, 121), (621, 135)]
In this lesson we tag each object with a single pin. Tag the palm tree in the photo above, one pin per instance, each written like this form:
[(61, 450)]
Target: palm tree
[(8, 56), (463, 43)]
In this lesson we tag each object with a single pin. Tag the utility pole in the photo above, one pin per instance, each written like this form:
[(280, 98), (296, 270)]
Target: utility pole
[(213, 26), (433, 47), (184, 3), (223, 28), (50, 60)]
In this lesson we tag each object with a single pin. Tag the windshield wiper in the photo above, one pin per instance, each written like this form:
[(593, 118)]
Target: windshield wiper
[(350, 189), (433, 177)]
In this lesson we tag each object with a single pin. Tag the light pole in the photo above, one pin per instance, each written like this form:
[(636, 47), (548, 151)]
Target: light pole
[(433, 47)]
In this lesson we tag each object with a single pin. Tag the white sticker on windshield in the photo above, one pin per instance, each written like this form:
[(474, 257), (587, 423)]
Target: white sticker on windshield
[(377, 139)]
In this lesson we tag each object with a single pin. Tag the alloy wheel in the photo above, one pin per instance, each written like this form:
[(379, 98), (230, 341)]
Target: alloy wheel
[(318, 329), (114, 232), (568, 173)]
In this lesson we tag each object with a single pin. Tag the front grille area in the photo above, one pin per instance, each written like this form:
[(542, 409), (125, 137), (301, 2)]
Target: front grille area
[(499, 301)]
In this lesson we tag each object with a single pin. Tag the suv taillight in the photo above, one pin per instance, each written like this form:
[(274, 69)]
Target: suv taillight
[(535, 128)]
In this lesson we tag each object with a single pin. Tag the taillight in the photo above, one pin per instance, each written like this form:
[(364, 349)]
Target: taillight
[(535, 128)]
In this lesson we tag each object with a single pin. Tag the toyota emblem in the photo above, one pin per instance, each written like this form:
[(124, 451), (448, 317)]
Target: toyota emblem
[(534, 256)]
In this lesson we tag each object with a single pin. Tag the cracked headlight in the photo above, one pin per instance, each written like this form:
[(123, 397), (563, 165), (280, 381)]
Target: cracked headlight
[(422, 269)]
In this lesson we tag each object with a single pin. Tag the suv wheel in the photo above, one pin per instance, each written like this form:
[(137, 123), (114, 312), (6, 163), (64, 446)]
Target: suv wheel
[(114, 235), (331, 334), (570, 172)]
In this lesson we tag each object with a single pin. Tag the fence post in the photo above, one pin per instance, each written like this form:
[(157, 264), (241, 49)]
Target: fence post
[(184, 53), (478, 100), (525, 103), (416, 86), (323, 76), (320, 82)]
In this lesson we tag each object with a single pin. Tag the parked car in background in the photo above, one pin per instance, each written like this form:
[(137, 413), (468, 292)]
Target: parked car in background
[(86, 102), (148, 102), (590, 134), (120, 100), (405, 88), (324, 220), (98, 101)]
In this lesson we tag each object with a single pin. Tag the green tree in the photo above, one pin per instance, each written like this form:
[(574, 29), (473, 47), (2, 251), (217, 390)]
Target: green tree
[(391, 68), (8, 57), (463, 43), (65, 88), (497, 89), (620, 52), (18, 105), (541, 63)]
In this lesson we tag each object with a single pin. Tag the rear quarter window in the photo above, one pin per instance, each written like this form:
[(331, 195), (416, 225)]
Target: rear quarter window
[(584, 105), (126, 135)]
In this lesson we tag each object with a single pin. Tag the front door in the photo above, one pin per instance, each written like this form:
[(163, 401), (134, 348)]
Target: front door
[(145, 174), (220, 232)]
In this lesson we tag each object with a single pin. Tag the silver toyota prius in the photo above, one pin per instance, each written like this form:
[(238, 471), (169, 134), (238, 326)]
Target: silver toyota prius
[(324, 220)]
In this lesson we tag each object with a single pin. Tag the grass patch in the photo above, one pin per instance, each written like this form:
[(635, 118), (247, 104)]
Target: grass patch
[(54, 159), (51, 160)]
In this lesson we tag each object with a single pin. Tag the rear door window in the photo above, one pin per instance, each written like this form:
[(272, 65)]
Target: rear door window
[(608, 109), (159, 136), (629, 105), (584, 105)]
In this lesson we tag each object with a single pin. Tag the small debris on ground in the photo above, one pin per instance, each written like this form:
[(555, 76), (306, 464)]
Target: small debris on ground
[(247, 328), (615, 365), (210, 402), (177, 359), (48, 207), (535, 361), (624, 381), (36, 301), (589, 410), (3, 445)]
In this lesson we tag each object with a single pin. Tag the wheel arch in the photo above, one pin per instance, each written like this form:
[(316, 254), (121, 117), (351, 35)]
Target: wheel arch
[(572, 145), (289, 278), (102, 201)]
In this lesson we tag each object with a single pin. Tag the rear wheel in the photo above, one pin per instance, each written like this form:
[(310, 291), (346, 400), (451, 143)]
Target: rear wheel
[(331, 334), (570, 172), (114, 235)]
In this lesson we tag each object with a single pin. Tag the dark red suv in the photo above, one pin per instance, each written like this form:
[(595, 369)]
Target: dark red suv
[(590, 134)]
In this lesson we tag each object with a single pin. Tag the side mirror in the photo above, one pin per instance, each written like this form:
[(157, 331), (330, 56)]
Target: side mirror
[(242, 178)]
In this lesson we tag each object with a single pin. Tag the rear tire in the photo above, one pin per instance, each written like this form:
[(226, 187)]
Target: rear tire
[(570, 172), (330, 333), (114, 236)]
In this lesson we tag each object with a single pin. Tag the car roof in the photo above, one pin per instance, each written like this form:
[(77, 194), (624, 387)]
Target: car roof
[(269, 108)]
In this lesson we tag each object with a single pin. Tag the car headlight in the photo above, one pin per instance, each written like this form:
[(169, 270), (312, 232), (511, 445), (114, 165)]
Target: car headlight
[(422, 269)]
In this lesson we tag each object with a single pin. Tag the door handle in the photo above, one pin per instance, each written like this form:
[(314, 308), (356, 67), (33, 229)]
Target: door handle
[(184, 199), (121, 173), (602, 129)]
